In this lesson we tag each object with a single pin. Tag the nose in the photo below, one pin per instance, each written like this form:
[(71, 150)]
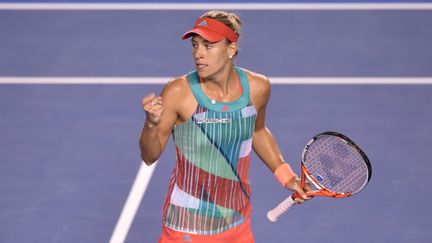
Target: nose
[(198, 52)]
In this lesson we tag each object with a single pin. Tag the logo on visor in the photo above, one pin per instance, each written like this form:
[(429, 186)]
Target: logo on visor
[(203, 23)]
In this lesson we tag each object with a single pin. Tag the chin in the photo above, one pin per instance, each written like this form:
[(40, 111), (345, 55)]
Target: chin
[(203, 74)]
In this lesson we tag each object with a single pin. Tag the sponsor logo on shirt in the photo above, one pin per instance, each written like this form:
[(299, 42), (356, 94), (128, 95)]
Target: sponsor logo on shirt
[(213, 120)]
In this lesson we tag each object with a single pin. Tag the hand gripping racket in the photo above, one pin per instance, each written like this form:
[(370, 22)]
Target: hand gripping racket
[(334, 165)]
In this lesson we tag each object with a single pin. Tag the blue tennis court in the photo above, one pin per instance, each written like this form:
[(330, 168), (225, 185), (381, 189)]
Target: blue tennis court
[(69, 152)]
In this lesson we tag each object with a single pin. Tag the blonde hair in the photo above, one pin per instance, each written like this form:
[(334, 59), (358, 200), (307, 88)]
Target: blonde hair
[(230, 19)]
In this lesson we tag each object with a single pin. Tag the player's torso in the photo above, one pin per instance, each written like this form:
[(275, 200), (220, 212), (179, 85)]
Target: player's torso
[(209, 192)]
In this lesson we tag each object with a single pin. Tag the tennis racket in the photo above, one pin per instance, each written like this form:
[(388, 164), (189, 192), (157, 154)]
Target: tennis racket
[(334, 165)]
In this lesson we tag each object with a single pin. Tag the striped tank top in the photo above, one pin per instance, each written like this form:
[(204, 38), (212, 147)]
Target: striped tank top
[(209, 191)]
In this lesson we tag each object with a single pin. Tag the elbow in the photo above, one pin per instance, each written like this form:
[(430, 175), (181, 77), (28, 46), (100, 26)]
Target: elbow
[(149, 154), (148, 160)]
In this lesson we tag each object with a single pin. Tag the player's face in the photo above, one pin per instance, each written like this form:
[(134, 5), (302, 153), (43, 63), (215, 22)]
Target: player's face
[(210, 57)]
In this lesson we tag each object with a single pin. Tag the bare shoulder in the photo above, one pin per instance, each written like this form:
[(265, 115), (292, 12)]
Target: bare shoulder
[(259, 88), (178, 98), (175, 87), (257, 81)]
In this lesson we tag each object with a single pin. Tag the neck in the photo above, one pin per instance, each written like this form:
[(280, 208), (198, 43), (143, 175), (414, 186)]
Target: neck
[(221, 84)]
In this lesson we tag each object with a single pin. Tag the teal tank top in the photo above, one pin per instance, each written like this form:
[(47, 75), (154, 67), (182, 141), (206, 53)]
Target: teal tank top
[(209, 191)]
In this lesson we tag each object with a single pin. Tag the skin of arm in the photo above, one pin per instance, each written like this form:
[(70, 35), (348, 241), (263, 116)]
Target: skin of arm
[(264, 144), (172, 106)]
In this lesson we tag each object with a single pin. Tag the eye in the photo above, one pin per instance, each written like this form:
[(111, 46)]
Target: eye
[(209, 46), (194, 45)]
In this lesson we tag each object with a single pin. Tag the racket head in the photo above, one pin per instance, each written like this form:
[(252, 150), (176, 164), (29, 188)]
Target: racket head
[(335, 165)]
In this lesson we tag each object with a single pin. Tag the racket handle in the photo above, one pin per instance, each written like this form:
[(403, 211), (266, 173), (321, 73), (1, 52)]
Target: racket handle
[(280, 209)]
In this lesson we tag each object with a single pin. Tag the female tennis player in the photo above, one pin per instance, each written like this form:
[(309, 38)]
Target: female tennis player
[(216, 115)]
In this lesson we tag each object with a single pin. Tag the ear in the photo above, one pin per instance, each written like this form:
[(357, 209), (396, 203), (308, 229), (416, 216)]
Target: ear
[(232, 49)]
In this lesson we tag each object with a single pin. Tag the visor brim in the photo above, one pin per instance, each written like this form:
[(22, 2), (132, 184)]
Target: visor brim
[(206, 34)]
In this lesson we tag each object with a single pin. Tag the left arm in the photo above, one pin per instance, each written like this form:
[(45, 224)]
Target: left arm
[(264, 144)]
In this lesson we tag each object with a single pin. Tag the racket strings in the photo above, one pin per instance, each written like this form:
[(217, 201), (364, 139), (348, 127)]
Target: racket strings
[(335, 165)]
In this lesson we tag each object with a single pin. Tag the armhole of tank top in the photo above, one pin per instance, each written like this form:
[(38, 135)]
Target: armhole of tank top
[(244, 81), (190, 76)]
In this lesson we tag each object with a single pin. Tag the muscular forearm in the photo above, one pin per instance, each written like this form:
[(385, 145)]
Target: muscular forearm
[(150, 144), (266, 148)]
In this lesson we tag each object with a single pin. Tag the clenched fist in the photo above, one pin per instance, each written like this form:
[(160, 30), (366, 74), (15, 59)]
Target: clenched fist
[(153, 107)]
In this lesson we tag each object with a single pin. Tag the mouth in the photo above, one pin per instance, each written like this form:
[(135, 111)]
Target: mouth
[(201, 66)]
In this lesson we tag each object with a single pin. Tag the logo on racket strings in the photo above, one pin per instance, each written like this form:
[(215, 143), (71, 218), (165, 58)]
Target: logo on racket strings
[(319, 178)]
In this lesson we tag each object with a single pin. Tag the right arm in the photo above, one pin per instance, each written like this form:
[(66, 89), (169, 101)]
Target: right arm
[(161, 116)]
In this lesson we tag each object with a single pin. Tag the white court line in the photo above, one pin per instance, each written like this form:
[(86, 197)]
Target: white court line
[(163, 80), (351, 80), (204, 6), (84, 80), (133, 202)]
